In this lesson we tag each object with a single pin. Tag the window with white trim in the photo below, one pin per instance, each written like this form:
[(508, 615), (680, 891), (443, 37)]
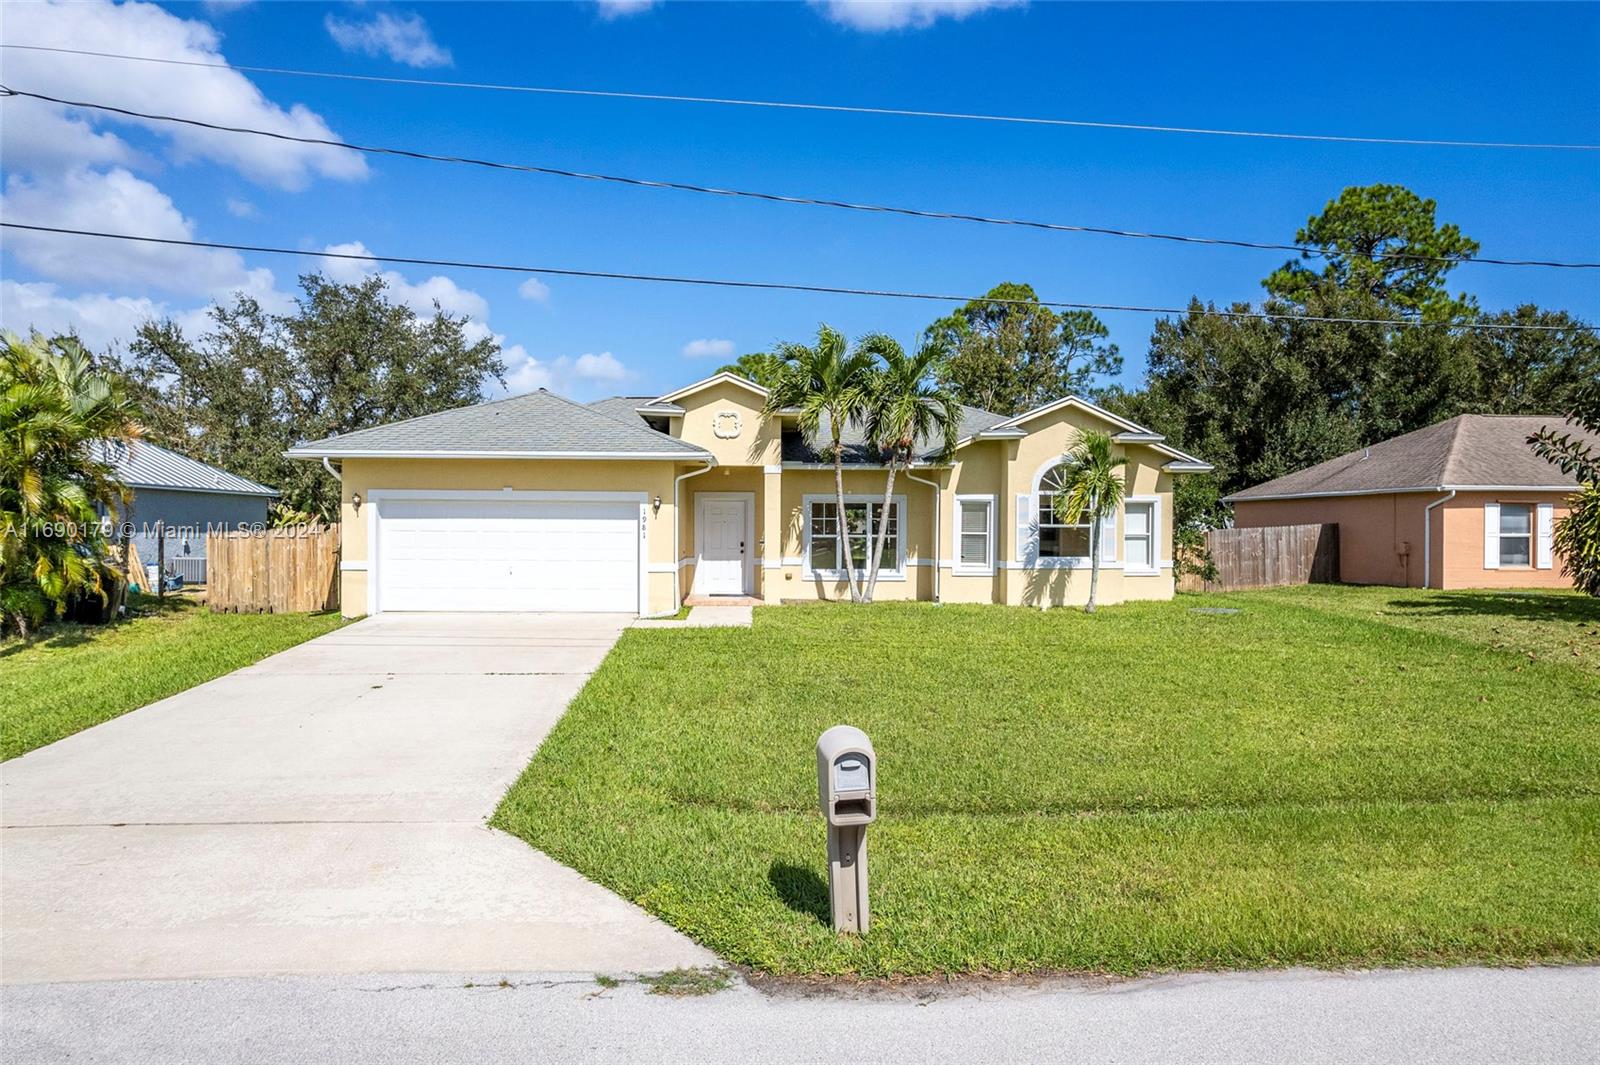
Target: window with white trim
[(1138, 536), (975, 534), (1058, 539), (1516, 534), (822, 522)]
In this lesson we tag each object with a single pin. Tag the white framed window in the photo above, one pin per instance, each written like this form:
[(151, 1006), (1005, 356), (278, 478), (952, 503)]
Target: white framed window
[(974, 534), (1140, 523), (1516, 534), (829, 542), (1058, 539)]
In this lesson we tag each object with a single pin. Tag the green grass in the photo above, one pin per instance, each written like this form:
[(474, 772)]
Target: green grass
[(1320, 779), (73, 676)]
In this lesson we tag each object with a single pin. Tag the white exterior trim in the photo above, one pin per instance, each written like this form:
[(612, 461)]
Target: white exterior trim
[(353, 567), (896, 574), (650, 456), (987, 569), (1491, 536), (749, 501), (776, 467), (719, 378), (1154, 503), (1544, 535), (1568, 488), (376, 496), (661, 567)]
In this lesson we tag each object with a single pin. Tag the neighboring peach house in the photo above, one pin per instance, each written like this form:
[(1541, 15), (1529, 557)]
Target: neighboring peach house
[(634, 504), (1461, 504)]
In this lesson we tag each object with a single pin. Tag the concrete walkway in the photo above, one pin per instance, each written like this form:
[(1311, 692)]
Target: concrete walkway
[(1448, 1016), (738, 616), (319, 812)]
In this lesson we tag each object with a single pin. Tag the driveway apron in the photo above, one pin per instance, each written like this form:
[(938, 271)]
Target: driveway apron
[(321, 811)]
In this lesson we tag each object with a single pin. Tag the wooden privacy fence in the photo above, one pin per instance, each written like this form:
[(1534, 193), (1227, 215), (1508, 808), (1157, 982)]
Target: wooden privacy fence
[(273, 571), (1268, 557)]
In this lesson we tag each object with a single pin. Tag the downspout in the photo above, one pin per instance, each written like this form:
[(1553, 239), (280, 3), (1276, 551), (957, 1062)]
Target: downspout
[(331, 471), (677, 532), (938, 506), (1427, 537)]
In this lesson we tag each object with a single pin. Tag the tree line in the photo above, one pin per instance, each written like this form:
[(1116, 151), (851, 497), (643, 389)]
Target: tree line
[(1256, 397)]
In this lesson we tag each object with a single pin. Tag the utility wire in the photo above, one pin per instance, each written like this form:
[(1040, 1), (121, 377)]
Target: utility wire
[(771, 197), (831, 290), (792, 106)]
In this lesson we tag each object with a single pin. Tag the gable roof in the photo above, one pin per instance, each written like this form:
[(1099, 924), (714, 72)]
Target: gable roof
[(1467, 451), (537, 425), (1130, 432), (141, 464), (725, 377)]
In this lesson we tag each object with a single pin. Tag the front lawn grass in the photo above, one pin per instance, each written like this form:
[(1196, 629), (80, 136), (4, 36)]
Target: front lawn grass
[(1142, 789), (73, 676)]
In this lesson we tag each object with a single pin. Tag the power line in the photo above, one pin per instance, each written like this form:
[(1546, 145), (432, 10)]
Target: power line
[(771, 197), (777, 286), (793, 106)]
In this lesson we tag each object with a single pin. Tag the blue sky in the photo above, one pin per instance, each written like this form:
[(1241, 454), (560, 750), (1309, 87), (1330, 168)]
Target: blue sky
[(1475, 71)]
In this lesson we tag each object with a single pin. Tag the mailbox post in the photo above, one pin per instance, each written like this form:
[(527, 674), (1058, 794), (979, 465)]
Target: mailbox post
[(847, 788)]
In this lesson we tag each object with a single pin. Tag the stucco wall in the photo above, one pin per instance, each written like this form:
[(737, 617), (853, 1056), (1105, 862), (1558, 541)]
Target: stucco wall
[(725, 407), (363, 476), (1463, 539), (1380, 536)]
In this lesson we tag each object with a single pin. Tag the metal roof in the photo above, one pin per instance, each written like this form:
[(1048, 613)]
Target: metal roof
[(141, 464), (537, 425)]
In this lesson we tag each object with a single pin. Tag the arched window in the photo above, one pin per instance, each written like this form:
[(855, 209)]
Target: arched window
[(1056, 539)]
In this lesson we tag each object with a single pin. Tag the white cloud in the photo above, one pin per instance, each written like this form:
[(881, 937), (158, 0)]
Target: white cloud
[(242, 208), (584, 377), (90, 199), (420, 296), (615, 9), (100, 320), (708, 349), (43, 137), (601, 367), (535, 290), (403, 38), (877, 16)]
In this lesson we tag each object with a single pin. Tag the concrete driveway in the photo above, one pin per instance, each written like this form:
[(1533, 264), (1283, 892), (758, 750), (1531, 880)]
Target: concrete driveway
[(319, 812)]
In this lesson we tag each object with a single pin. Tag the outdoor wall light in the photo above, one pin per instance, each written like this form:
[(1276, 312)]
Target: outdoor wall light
[(355, 501), (655, 505)]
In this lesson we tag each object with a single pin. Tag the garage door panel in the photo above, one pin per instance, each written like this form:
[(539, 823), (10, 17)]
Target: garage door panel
[(509, 555)]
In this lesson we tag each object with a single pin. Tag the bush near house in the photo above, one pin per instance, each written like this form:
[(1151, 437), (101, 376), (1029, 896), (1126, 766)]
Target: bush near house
[(1330, 777)]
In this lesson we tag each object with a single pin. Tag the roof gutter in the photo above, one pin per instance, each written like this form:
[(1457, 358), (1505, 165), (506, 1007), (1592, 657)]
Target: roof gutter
[(677, 525), (938, 507), (1427, 537)]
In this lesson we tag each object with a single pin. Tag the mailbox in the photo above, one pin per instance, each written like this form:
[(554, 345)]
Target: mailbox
[(847, 790), (847, 777)]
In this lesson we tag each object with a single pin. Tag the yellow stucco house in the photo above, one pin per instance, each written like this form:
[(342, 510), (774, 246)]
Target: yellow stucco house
[(635, 504)]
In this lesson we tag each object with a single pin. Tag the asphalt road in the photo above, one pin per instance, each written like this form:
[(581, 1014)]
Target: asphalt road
[(1456, 1016)]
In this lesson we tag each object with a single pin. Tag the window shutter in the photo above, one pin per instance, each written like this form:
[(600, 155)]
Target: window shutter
[(1546, 530), (1108, 537), (1027, 531), (1491, 536)]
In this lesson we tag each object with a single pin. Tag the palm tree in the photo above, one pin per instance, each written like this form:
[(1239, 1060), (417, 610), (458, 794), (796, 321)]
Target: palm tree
[(908, 403), (1091, 487), (829, 381), (59, 415)]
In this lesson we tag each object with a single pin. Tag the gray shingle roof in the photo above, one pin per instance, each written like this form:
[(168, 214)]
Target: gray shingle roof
[(1470, 450), (141, 464), (538, 424), (973, 420)]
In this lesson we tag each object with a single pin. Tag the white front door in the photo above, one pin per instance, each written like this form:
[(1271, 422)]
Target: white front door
[(722, 548)]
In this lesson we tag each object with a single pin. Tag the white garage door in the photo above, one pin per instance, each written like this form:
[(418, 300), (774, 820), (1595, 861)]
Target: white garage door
[(507, 555)]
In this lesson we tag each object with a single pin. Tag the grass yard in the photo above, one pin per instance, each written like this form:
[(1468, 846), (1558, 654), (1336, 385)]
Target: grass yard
[(75, 676), (1325, 778)]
